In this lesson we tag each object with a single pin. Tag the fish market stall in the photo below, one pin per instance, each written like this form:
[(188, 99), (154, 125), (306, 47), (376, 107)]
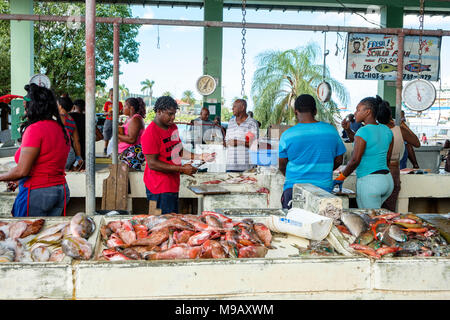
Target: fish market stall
[(283, 266)]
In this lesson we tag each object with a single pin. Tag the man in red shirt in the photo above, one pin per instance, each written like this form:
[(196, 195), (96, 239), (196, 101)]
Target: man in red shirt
[(108, 112), (163, 150)]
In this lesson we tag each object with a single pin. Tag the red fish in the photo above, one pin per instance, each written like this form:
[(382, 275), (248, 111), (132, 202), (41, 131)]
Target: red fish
[(128, 236), (343, 229), (212, 182), (33, 228), (183, 236), (141, 231), (113, 255), (114, 226), (252, 252), (212, 249), (386, 250), (154, 239), (176, 253), (114, 241), (263, 234), (198, 238), (416, 230), (218, 216), (213, 221), (175, 223), (365, 249)]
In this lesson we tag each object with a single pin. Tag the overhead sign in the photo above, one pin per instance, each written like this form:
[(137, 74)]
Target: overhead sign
[(375, 57)]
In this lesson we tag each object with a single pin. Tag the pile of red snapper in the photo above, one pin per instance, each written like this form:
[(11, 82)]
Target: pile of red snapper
[(177, 236)]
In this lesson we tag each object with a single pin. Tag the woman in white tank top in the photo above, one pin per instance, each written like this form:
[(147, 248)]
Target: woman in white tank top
[(401, 134)]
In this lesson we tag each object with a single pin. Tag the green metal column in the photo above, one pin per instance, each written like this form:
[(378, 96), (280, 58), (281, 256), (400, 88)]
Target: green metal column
[(22, 47), (212, 50), (391, 17)]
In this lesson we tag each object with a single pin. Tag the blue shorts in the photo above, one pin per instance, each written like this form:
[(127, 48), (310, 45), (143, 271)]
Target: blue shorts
[(167, 202), (41, 202)]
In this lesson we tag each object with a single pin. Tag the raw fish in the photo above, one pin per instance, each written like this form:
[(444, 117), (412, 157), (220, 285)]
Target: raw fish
[(81, 225), (252, 252), (77, 247), (354, 223), (176, 253), (40, 254)]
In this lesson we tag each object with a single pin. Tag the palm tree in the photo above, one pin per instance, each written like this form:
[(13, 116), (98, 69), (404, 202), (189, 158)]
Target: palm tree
[(188, 97), (167, 93), (123, 92), (148, 86), (282, 76), (100, 91)]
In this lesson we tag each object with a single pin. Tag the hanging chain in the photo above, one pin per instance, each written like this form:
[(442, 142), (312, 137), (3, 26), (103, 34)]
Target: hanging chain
[(39, 44), (421, 17), (244, 31)]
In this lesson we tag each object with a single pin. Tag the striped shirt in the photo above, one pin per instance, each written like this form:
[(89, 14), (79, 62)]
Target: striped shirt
[(238, 158), (69, 123), (310, 149)]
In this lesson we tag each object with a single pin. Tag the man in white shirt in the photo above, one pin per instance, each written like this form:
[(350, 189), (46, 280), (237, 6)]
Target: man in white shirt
[(242, 135)]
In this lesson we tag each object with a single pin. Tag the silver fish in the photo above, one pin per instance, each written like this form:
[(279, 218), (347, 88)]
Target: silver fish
[(354, 223), (397, 234), (40, 254), (77, 247), (6, 254), (81, 225)]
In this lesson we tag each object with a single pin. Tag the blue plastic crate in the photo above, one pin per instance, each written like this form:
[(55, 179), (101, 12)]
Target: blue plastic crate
[(264, 157)]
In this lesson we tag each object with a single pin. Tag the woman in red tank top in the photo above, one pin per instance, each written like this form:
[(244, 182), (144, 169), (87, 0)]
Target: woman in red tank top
[(41, 158)]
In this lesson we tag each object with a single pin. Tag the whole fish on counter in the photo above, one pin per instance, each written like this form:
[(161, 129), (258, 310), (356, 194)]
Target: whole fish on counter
[(34, 241), (176, 236), (392, 234)]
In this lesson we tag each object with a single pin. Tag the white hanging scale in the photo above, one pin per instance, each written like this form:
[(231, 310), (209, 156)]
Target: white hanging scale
[(419, 95), (41, 80), (324, 88)]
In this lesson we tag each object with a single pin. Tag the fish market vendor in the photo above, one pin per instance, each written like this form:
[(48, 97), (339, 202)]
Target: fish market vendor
[(371, 154), (163, 151), (241, 134), (41, 158), (310, 151)]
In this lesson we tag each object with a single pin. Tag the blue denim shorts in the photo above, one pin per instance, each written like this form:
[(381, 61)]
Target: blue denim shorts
[(167, 202), (48, 201)]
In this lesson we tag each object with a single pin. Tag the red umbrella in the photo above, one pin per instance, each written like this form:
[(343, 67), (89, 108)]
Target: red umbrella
[(7, 98)]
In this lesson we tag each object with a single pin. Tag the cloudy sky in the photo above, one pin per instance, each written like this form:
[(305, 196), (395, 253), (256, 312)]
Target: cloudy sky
[(176, 65)]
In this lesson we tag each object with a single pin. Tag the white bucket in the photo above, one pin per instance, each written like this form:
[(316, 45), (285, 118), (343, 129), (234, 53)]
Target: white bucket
[(301, 223)]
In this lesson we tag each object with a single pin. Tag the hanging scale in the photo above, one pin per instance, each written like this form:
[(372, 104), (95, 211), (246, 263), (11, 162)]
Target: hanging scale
[(324, 88), (419, 94)]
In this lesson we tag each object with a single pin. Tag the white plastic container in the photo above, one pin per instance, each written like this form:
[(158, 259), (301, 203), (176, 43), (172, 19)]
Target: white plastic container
[(301, 223)]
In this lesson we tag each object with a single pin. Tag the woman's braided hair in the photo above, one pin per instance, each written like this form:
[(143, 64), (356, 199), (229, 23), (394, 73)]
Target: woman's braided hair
[(41, 105)]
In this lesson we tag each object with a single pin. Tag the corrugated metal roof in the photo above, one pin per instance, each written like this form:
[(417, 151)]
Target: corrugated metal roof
[(435, 7)]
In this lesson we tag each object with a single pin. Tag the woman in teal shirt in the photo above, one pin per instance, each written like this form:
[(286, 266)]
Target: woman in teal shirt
[(371, 155)]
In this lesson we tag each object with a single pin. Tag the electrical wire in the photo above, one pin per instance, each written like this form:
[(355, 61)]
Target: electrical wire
[(360, 15)]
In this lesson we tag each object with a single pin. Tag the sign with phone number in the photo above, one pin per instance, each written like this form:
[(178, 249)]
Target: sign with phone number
[(375, 57)]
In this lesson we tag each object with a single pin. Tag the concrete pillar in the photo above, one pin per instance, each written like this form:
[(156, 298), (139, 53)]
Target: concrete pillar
[(212, 49), (22, 47), (391, 17)]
